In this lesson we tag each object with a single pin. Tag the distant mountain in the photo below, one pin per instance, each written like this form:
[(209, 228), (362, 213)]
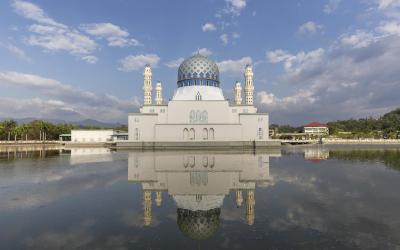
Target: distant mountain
[(92, 122), (83, 123)]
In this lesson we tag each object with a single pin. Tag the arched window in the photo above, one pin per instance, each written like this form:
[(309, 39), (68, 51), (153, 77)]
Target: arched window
[(192, 134), (205, 134), (185, 134), (204, 116), (211, 134), (192, 116), (198, 96)]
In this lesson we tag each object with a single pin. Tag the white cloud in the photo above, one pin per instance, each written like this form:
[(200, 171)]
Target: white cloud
[(277, 56), (331, 6), (384, 4), (296, 64), (389, 8), (354, 77), (300, 99), (63, 99), (224, 38), (389, 28), (122, 42), (52, 35), (309, 28), (34, 12), (136, 62), (54, 38), (28, 80), (104, 30), (16, 51), (203, 51), (115, 35), (359, 39), (235, 6), (208, 27), (175, 63), (90, 59), (234, 67)]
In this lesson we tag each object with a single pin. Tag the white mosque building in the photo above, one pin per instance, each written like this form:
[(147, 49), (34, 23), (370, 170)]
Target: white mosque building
[(198, 110)]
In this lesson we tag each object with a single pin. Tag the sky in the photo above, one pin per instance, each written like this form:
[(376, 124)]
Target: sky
[(313, 60)]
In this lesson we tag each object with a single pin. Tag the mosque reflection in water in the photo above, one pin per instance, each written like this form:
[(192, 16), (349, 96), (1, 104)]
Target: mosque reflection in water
[(198, 183)]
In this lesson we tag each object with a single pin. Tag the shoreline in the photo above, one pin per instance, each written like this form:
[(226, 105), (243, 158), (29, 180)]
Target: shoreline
[(199, 144)]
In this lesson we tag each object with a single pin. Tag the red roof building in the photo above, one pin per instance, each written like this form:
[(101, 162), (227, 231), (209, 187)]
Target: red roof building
[(315, 124), (316, 128)]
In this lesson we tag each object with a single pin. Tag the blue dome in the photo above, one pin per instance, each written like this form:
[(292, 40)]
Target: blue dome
[(198, 70)]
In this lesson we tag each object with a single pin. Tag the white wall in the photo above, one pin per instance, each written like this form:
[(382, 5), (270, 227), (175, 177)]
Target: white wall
[(179, 111), (144, 124), (90, 136), (169, 125), (225, 132), (251, 123)]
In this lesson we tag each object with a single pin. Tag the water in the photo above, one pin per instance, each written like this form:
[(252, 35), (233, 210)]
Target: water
[(297, 198)]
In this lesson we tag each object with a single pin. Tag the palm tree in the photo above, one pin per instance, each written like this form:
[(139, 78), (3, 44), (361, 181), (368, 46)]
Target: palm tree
[(9, 125), (24, 130)]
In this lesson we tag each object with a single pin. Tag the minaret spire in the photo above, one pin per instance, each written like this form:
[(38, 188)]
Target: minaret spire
[(159, 98), (147, 88), (238, 93), (249, 87)]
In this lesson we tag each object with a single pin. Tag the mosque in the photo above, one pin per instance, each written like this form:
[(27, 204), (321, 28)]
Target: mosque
[(198, 183), (198, 111)]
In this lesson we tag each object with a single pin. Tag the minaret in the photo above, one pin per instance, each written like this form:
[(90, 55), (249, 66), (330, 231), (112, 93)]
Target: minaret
[(238, 93), (239, 198), (159, 98), (250, 202), (249, 87), (147, 207), (158, 198), (147, 88)]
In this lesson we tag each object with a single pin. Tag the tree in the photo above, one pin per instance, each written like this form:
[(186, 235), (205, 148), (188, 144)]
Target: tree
[(7, 127)]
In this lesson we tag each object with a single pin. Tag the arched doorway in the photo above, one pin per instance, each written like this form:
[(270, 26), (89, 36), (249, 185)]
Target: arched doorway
[(211, 134), (192, 134), (205, 134), (185, 134)]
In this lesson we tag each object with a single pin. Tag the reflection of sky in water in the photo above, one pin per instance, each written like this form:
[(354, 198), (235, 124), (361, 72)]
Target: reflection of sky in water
[(309, 197)]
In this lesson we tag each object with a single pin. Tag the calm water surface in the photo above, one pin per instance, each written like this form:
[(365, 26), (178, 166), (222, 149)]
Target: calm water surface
[(295, 198)]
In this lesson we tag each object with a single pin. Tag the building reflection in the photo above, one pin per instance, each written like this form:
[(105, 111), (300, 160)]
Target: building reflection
[(89, 155), (316, 154), (198, 184)]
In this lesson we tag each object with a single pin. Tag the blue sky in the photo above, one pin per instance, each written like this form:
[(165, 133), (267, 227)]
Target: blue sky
[(313, 60)]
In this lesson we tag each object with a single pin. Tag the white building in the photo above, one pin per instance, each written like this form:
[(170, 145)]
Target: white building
[(91, 136), (198, 110), (316, 128)]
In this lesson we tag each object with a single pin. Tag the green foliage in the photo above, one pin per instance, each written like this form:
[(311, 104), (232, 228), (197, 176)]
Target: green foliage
[(10, 130), (386, 126), (286, 128)]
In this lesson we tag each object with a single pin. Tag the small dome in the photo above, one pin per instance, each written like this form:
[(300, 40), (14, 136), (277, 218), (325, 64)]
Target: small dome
[(198, 70)]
